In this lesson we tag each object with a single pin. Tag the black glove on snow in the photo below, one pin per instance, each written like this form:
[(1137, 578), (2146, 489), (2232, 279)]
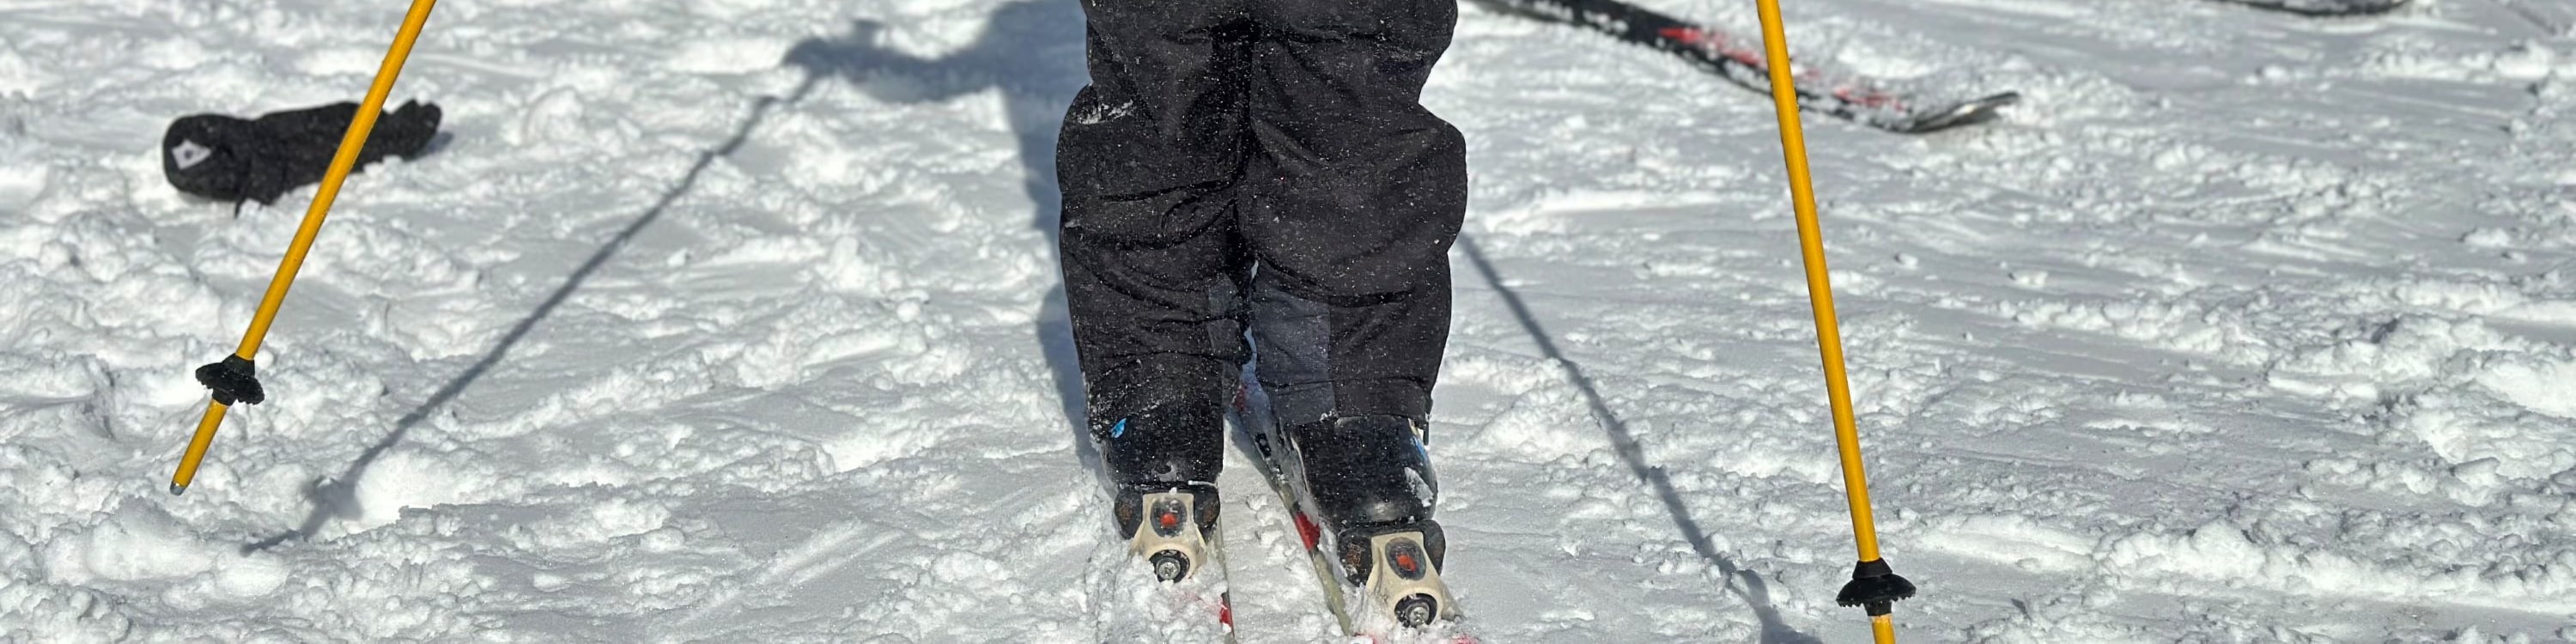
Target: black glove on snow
[(226, 158)]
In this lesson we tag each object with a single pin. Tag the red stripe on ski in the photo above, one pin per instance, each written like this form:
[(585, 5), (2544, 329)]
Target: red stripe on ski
[(1717, 43), (1307, 531)]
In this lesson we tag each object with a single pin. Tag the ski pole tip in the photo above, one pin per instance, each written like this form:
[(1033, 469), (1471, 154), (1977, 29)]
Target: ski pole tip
[(178, 489)]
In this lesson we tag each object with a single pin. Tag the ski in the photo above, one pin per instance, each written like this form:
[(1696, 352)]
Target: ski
[(1412, 604), (2325, 8), (1739, 59)]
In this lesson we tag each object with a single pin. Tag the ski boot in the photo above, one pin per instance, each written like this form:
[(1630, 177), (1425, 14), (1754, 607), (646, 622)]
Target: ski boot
[(1162, 466), (1366, 493)]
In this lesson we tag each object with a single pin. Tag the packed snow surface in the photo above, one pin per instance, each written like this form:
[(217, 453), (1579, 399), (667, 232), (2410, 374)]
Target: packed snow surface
[(737, 320)]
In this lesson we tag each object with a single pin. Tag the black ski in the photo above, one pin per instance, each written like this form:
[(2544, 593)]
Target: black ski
[(1739, 59), (2325, 8)]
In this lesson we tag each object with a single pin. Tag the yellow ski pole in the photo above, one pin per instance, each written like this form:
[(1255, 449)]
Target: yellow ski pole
[(1874, 586), (232, 379)]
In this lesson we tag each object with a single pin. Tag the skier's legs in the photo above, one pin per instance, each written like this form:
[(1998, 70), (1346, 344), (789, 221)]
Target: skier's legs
[(1152, 264), (1357, 193), (1158, 329)]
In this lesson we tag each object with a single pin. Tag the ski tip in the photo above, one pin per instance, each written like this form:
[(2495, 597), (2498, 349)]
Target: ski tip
[(1968, 112), (178, 489)]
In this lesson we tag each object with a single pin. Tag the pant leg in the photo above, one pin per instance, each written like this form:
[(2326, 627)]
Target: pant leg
[(1158, 328), (1153, 266), (1357, 191), (1164, 109)]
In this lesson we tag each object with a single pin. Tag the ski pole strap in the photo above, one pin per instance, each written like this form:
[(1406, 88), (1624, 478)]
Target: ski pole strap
[(233, 380)]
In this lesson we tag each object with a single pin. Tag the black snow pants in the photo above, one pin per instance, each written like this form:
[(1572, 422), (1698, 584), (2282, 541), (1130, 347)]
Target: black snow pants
[(1263, 166)]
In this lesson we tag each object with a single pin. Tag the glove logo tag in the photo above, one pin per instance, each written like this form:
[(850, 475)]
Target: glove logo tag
[(189, 154)]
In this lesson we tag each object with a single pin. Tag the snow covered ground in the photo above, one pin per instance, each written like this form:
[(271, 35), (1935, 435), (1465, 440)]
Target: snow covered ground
[(736, 320)]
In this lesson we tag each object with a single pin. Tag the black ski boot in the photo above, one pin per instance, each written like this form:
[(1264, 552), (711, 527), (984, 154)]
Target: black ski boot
[(1163, 462), (1366, 470), (1368, 480)]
